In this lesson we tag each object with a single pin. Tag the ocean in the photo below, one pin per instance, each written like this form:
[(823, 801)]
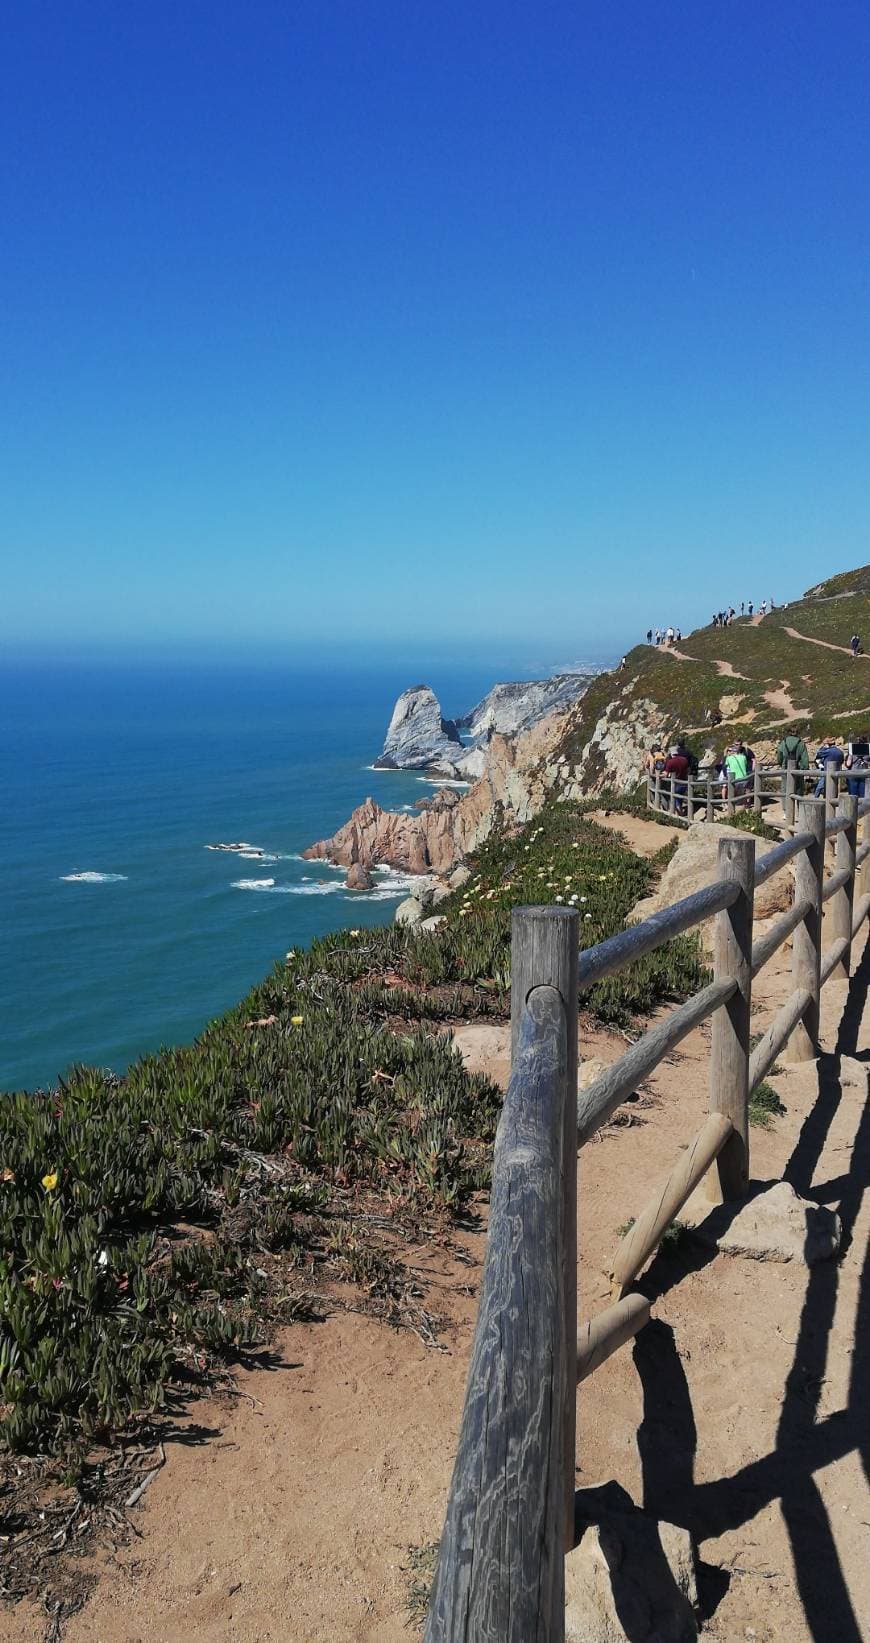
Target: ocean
[(121, 931)]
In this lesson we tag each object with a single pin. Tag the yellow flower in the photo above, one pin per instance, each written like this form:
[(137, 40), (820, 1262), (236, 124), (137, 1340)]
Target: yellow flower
[(50, 1181), (353, 932), (296, 1021)]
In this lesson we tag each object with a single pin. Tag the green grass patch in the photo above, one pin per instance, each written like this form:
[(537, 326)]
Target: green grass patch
[(764, 1106)]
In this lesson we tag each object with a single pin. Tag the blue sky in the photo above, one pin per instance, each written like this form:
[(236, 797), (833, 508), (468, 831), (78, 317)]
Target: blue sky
[(334, 321)]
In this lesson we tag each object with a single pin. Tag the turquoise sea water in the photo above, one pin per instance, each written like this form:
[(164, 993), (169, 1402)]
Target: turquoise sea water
[(128, 773)]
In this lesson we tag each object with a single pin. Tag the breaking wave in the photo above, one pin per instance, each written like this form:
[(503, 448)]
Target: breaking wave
[(93, 878)]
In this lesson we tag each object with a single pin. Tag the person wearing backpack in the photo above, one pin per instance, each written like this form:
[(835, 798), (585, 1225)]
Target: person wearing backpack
[(792, 748), (858, 754)]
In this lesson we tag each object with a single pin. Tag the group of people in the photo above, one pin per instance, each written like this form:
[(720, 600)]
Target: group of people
[(663, 636), (735, 767), (724, 618)]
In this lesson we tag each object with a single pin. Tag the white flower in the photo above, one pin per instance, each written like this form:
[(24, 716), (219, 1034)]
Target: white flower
[(587, 915), (559, 898)]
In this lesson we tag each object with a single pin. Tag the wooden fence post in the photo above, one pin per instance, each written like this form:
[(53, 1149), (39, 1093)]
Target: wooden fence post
[(831, 786), (729, 1052), (840, 915), (788, 800), (729, 811), (710, 807), (756, 788), (545, 952), (865, 839), (807, 942), (673, 799), (658, 790), (690, 798), (500, 1575)]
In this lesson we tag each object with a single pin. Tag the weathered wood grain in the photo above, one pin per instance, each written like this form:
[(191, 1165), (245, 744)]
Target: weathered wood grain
[(501, 1574), (806, 948), (729, 1047), (545, 943)]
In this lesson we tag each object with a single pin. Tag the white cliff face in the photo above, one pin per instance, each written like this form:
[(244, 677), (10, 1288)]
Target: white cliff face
[(511, 708), (418, 737)]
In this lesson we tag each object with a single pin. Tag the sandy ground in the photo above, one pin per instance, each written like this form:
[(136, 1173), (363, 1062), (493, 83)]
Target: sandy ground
[(738, 1412)]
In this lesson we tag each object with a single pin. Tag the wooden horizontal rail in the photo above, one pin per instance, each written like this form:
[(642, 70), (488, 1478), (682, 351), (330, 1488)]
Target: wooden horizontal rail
[(766, 945), (779, 856), (599, 1102), (501, 1562), (782, 1026), (859, 913), (862, 852), (832, 957), (837, 824), (654, 1220), (603, 1335), (836, 882), (614, 954)]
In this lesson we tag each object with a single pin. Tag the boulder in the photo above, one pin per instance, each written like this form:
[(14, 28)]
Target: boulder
[(430, 924), (358, 877), (408, 911), (693, 865), (631, 1579), (418, 736), (775, 1224)]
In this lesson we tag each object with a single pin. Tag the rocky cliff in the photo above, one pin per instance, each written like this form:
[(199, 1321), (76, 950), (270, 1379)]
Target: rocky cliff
[(418, 736), (444, 829), (511, 708)]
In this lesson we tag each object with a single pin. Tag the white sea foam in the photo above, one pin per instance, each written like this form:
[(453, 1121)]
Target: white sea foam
[(255, 855), (253, 884), (93, 878)]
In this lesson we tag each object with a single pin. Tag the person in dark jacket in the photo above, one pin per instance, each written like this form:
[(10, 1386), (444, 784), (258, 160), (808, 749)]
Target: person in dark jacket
[(829, 757), (857, 754), (677, 764)]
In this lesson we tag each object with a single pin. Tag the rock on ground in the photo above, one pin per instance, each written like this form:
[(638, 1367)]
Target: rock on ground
[(631, 1580), (693, 865), (358, 877), (775, 1224)]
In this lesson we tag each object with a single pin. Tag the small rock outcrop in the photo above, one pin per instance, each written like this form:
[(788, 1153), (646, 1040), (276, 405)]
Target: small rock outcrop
[(418, 737), (358, 877), (775, 1224), (631, 1579), (693, 865)]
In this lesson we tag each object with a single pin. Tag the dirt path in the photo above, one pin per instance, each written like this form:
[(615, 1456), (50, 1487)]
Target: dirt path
[(646, 838), (782, 700), (825, 643), (739, 1412), (727, 671)]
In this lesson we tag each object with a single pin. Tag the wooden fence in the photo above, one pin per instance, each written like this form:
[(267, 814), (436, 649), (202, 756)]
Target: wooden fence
[(510, 1512), (710, 794)]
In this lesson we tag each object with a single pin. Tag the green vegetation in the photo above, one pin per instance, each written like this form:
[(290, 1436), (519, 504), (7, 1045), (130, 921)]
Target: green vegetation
[(155, 1224), (752, 822), (825, 686), (764, 1106)]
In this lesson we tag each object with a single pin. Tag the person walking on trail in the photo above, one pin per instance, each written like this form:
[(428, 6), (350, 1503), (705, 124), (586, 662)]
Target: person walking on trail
[(829, 757), (677, 765), (750, 607), (649, 636), (792, 749), (735, 766), (743, 607), (854, 645), (857, 754)]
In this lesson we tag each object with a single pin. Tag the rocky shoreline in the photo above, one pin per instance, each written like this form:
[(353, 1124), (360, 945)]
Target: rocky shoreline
[(510, 770)]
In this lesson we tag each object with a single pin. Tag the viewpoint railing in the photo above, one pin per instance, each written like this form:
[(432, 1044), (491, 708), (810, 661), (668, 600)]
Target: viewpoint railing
[(713, 791), (510, 1513)]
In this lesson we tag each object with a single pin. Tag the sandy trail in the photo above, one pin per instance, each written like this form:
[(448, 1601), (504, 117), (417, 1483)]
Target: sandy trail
[(824, 643), (739, 1412), (727, 671)]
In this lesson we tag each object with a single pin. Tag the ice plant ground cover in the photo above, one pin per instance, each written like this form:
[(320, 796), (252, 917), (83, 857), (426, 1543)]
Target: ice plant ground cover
[(154, 1226)]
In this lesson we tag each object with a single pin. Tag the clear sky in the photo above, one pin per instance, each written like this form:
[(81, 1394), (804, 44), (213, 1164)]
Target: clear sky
[(466, 321)]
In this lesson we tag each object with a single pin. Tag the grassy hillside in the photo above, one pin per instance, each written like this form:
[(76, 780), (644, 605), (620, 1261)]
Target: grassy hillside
[(824, 686)]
